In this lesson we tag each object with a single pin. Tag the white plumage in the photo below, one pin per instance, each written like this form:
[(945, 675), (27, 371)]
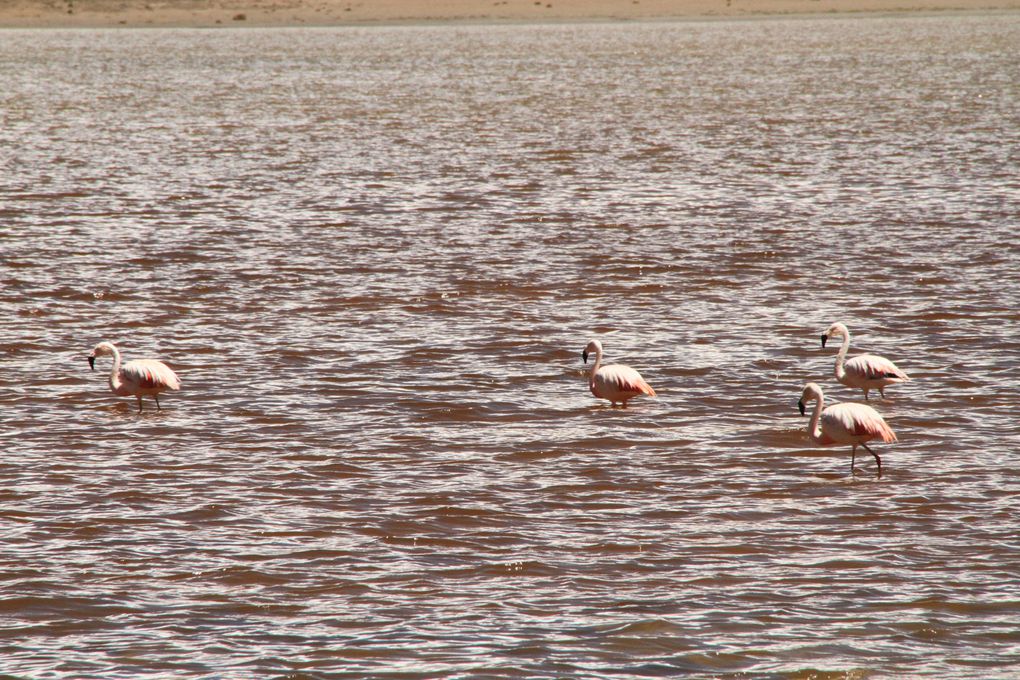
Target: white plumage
[(141, 377), (866, 371), (845, 423), (614, 382)]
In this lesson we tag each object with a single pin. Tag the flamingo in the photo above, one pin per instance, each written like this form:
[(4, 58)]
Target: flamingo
[(614, 382), (866, 371), (141, 377), (845, 423)]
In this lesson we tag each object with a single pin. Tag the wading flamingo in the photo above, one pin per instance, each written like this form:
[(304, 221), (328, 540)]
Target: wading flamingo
[(845, 423), (614, 382), (866, 371), (141, 377)]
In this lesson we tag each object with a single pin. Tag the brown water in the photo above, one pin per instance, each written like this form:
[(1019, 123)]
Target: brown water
[(374, 256)]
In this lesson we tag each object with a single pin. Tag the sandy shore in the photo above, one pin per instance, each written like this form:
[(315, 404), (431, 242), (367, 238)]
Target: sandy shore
[(72, 13)]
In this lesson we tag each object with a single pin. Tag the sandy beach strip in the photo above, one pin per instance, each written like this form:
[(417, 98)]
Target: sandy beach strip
[(99, 13)]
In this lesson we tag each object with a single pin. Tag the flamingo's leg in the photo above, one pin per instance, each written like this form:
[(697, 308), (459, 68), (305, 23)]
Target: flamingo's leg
[(877, 459)]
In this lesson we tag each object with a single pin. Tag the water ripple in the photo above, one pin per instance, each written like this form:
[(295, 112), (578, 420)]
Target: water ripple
[(374, 256)]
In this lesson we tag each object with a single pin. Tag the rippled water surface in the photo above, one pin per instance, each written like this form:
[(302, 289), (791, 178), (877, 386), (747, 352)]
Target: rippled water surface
[(374, 256)]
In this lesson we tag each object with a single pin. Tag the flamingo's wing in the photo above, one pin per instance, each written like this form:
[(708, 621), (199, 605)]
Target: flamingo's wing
[(149, 373), (860, 420), (873, 367), (625, 379)]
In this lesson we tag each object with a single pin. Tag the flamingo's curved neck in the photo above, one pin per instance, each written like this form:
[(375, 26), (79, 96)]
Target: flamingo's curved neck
[(595, 366), (115, 371), (814, 431), (841, 357)]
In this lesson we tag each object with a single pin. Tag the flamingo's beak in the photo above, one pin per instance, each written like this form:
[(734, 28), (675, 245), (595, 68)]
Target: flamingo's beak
[(584, 356), (92, 363), (800, 405), (824, 338)]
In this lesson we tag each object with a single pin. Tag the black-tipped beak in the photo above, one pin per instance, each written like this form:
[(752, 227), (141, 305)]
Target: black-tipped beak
[(824, 338), (92, 363), (800, 405), (584, 356)]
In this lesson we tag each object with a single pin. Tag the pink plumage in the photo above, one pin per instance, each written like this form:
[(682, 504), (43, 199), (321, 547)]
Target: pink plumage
[(150, 374), (138, 378), (856, 421), (873, 367), (866, 371), (614, 382), (845, 423)]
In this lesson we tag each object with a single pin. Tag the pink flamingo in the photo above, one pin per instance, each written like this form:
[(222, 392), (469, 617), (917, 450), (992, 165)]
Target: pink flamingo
[(615, 382), (845, 423), (141, 377), (866, 371)]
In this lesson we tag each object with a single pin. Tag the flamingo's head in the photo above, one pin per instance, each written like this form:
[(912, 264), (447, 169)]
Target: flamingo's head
[(101, 350), (811, 392), (836, 330), (594, 347)]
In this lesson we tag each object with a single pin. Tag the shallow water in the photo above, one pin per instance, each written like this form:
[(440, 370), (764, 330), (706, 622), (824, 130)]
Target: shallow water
[(374, 256)]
